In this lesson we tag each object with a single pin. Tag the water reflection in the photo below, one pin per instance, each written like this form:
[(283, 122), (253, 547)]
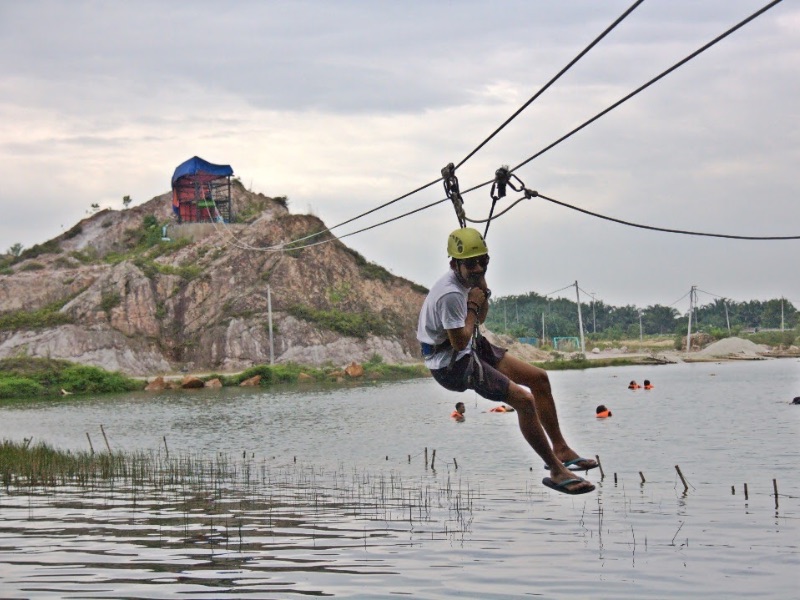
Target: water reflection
[(346, 521)]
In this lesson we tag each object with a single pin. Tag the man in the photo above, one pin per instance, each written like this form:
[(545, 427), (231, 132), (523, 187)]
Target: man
[(459, 360), (602, 412), (458, 413)]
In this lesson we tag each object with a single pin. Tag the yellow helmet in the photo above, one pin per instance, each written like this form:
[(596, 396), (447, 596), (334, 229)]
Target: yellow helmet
[(466, 243)]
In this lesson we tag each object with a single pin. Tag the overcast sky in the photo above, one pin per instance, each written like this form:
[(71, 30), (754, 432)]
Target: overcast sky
[(343, 106)]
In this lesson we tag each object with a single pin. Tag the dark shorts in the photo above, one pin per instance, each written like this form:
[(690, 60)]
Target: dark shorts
[(477, 372)]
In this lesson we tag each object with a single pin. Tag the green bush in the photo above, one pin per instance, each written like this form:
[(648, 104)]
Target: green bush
[(50, 247), (358, 325), (109, 300), (93, 380), (36, 319), (87, 256), (773, 338), (32, 266), (283, 373), (369, 270), (75, 231), (19, 387), (395, 371), (27, 377)]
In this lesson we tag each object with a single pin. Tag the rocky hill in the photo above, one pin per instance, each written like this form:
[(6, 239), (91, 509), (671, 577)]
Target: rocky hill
[(111, 293)]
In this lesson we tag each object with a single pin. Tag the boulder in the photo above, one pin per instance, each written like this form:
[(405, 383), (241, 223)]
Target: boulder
[(354, 370), (214, 383), (190, 382), (304, 377), (158, 384), (252, 382)]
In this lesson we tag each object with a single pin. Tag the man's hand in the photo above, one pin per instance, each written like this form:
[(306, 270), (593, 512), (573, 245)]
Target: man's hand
[(476, 295)]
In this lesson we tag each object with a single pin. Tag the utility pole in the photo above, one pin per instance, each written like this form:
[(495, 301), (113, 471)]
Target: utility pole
[(580, 318), (692, 294), (727, 319), (641, 336), (543, 338), (269, 313), (594, 320), (781, 314), (505, 319)]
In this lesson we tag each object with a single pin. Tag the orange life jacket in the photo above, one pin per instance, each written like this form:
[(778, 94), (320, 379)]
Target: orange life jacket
[(456, 415), (635, 386), (603, 415), (648, 387)]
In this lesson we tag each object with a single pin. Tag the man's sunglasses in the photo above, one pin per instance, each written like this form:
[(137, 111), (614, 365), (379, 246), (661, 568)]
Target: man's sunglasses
[(471, 263)]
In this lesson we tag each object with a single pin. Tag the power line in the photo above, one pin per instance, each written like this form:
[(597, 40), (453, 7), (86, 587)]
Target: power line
[(552, 81), (679, 299), (561, 290), (710, 294)]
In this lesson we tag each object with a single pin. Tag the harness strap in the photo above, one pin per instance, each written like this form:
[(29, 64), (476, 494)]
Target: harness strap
[(431, 349)]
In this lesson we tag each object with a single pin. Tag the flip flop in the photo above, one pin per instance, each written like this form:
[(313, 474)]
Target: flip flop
[(572, 465), (562, 487)]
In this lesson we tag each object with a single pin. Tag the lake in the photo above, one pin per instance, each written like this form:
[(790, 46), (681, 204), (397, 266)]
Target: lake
[(326, 491)]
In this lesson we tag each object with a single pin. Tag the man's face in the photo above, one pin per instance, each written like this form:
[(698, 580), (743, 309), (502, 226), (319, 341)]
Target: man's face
[(473, 269)]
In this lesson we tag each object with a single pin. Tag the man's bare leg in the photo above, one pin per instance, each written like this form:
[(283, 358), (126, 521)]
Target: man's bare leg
[(539, 383), (530, 425)]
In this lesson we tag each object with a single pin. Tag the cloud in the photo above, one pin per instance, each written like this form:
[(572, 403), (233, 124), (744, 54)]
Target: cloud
[(345, 106)]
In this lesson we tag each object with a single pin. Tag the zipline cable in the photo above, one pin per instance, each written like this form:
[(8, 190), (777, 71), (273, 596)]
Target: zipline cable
[(552, 81), (641, 88), (531, 194), (550, 146), (633, 93), (369, 212), (666, 230), (484, 142)]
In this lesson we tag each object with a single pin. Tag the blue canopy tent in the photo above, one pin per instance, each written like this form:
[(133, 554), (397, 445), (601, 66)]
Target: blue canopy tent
[(201, 192)]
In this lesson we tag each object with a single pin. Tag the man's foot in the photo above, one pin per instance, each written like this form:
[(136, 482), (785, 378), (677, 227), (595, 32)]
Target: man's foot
[(578, 464), (571, 486)]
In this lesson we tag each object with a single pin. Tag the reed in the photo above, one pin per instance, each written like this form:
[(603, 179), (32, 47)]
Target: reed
[(219, 487)]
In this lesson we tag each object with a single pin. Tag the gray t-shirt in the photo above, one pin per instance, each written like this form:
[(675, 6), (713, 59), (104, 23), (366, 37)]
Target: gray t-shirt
[(444, 308)]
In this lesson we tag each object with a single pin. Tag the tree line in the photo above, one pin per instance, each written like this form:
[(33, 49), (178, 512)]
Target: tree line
[(529, 314)]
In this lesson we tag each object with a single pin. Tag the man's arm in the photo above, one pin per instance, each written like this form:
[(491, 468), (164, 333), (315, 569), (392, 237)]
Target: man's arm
[(477, 309), (481, 298)]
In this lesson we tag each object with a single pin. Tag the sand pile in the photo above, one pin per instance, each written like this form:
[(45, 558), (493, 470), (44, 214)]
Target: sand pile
[(525, 352), (733, 345)]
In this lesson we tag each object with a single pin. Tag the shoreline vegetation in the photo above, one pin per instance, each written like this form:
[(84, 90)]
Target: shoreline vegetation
[(28, 378)]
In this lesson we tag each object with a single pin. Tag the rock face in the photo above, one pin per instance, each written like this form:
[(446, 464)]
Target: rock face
[(111, 293)]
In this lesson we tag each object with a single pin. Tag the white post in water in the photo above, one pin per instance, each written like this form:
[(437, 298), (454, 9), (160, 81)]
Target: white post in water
[(580, 318), (269, 318)]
